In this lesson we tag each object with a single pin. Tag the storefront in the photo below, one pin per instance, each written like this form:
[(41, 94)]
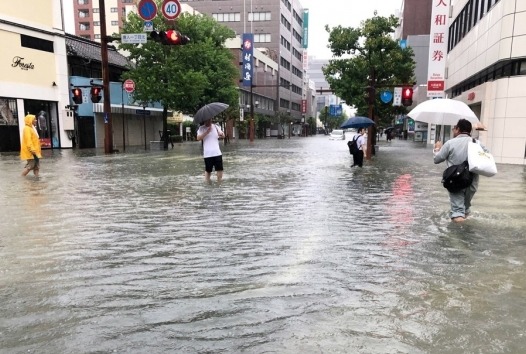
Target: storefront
[(34, 81)]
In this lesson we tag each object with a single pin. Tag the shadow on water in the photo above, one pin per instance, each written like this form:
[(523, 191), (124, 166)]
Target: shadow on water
[(294, 252)]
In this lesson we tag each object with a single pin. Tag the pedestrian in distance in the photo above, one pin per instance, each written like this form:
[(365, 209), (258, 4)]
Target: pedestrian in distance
[(360, 145), (210, 133), (30, 149), (454, 152)]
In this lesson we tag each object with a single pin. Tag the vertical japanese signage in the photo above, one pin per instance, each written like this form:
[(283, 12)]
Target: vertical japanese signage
[(305, 42), (438, 48), (248, 55)]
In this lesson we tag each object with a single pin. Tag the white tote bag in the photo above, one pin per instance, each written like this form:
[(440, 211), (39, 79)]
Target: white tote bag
[(480, 162)]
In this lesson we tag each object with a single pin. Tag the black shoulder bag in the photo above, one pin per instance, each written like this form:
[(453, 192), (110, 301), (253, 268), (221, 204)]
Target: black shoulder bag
[(457, 177)]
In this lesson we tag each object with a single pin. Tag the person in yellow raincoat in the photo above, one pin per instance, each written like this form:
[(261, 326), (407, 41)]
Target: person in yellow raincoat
[(30, 149)]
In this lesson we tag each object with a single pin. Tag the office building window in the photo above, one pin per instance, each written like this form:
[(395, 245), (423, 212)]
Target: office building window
[(227, 17)]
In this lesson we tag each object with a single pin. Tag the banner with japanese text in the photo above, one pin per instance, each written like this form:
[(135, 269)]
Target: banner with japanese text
[(438, 38), (248, 55)]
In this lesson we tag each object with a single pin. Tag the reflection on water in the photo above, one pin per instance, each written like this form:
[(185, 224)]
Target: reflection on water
[(293, 252)]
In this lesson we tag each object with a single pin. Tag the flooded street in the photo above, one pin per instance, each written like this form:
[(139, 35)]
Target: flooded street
[(295, 252)]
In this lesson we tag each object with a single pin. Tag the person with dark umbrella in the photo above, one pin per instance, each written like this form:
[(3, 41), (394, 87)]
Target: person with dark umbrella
[(210, 134), (360, 144)]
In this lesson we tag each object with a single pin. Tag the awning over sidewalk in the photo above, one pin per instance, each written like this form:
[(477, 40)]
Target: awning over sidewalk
[(137, 110)]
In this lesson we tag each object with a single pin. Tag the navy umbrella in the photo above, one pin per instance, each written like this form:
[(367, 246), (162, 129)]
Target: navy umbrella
[(357, 122)]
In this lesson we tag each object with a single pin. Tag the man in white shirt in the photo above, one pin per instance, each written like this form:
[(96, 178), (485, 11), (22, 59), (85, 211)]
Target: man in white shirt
[(210, 134), (360, 143)]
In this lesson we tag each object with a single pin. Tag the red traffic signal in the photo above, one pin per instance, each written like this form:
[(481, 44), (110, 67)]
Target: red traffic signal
[(170, 37), (77, 95), (95, 94), (407, 96)]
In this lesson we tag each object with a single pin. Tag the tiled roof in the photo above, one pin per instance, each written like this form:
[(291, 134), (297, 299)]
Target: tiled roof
[(78, 46)]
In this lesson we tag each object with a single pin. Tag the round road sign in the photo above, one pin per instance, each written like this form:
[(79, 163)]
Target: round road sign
[(147, 9), (129, 86), (171, 9)]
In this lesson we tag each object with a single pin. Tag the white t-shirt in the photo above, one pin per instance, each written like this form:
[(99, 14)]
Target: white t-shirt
[(360, 142), (210, 141)]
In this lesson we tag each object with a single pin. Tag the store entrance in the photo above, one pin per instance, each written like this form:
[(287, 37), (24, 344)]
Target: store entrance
[(47, 122)]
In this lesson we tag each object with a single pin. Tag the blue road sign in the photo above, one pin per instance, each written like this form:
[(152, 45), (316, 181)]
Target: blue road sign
[(147, 9), (335, 110), (386, 96)]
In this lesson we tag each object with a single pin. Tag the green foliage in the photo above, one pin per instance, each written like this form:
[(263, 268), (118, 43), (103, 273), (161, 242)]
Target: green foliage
[(367, 56), (184, 77)]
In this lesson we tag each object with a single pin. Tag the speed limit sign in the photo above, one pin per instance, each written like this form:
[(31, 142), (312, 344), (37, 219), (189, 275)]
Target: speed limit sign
[(171, 9)]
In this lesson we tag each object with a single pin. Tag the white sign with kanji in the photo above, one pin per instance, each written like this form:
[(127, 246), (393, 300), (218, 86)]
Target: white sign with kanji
[(438, 38)]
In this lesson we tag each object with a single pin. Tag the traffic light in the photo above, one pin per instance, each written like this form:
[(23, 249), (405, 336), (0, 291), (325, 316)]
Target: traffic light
[(77, 95), (407, 96), (170, 37), (95, 94)]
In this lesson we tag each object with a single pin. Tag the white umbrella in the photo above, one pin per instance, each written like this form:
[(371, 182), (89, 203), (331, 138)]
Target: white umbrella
[(442, 111)]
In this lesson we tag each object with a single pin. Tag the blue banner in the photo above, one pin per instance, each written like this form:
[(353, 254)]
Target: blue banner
[(248, 54)]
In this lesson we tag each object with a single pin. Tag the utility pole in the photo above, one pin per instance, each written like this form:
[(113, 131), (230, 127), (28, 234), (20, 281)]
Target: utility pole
[(370, 130), (251, 133), (108, 128)]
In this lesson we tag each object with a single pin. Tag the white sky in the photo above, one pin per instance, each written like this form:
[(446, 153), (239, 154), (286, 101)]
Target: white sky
[(347, 13)]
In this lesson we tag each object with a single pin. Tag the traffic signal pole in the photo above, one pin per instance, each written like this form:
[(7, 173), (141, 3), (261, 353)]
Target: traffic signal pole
[(108, 128)]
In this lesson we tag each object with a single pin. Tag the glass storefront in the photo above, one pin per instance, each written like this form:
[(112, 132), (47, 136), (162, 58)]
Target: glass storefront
[(10, 121), (9, 132), (47, 122)]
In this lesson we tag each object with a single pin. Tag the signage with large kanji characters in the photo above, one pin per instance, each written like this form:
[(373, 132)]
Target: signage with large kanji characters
[(437, 48), (248, 56)]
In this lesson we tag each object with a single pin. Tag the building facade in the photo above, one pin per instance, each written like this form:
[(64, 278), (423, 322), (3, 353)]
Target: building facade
[(486, 68), (277, 26), (34, 74), (87, 16)]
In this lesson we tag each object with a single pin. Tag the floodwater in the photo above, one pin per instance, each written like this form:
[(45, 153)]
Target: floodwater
[(295, 252)]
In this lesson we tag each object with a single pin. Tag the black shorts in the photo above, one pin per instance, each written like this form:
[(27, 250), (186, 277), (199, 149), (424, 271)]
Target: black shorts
[(214, 162)]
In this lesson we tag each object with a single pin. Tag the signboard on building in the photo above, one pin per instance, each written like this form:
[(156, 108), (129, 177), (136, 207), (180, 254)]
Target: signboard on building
[(438, 38), (248, 55)]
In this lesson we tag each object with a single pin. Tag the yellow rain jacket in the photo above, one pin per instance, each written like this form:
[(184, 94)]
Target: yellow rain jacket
[(30, 140)]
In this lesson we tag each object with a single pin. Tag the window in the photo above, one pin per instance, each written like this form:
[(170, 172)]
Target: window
[(259, 16), (227, 17), (83, 13), (95, 10), (114, 9), (96, 23), (114, 23), (36, 43), (262, 38), (84, 26), (83, 2)]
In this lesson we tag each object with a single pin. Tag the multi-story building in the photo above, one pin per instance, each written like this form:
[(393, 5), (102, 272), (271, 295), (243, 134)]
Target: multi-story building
[(277, 26), (486, 68), (87, 16)]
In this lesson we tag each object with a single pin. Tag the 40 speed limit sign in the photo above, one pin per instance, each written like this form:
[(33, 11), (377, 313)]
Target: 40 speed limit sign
[(171, 9)]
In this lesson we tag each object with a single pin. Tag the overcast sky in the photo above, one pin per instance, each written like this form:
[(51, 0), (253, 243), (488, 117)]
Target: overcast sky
[(347, 13)]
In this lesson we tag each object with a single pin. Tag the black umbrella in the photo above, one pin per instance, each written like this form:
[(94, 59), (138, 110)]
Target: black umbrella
[(209, 111), (357, 122)]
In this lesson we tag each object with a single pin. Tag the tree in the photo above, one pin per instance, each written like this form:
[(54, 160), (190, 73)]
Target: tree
[(184, 77), (373, 59)]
